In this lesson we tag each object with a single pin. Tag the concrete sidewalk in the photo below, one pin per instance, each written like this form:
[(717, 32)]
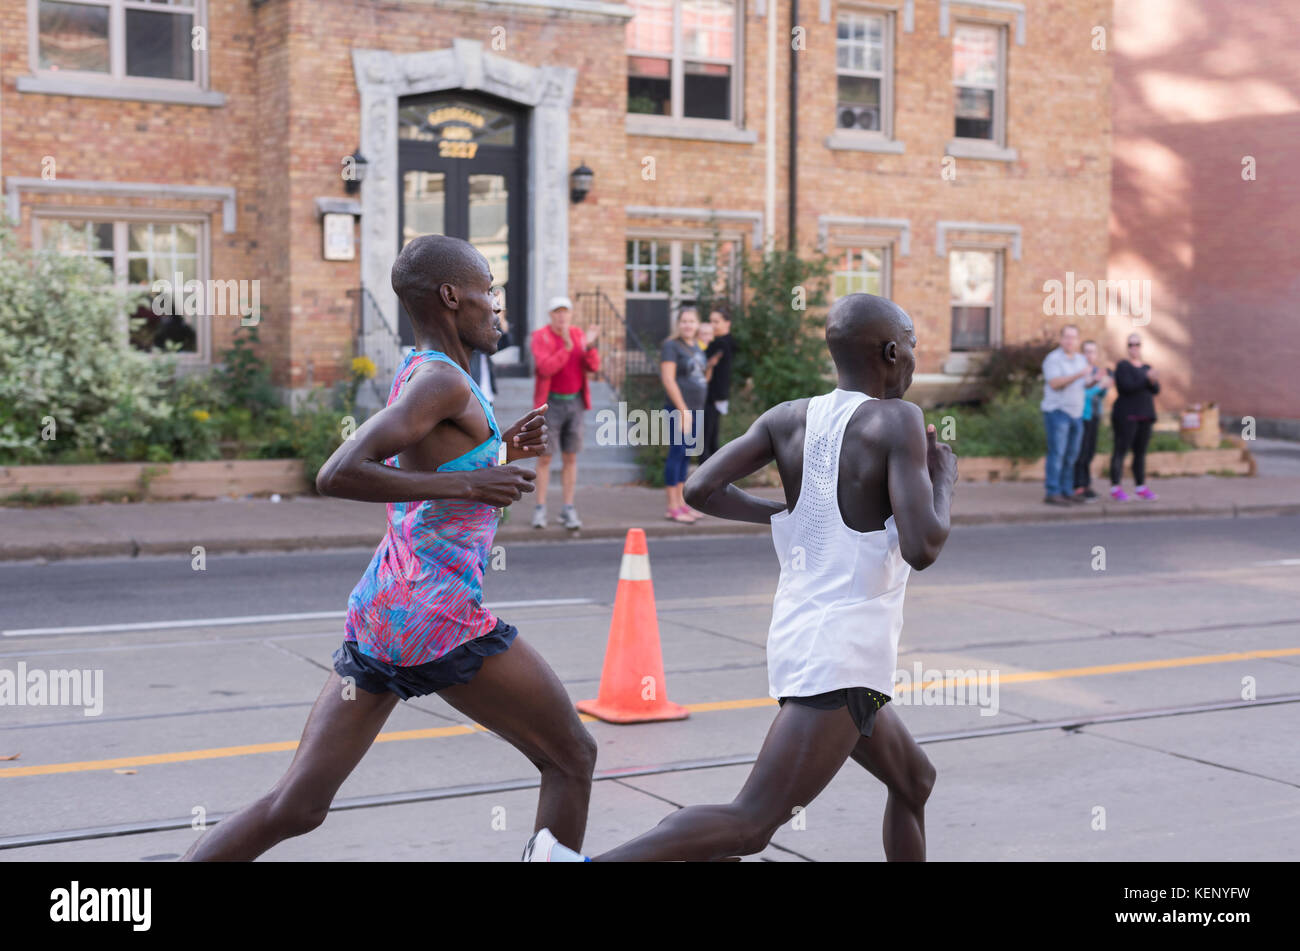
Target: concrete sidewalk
[(607, 512)]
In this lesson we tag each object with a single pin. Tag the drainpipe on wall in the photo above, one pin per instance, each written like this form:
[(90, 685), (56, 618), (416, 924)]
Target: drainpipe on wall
[(769, 200), (792, 170)]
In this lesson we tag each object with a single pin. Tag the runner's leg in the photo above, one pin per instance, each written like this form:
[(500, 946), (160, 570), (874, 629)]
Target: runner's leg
[(804, 749), (337, 735), (516, 695), (897, 760)]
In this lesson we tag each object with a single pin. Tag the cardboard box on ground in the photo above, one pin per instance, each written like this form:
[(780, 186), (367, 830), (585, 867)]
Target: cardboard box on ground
[(1200, 426)]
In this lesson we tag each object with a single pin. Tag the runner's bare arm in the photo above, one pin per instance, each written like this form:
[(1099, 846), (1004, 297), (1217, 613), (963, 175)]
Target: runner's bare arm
[(922, 471), (710, 489), (357, 469)]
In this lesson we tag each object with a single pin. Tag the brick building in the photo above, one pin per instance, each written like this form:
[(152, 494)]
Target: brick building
[(1205, 205), (952, 154)]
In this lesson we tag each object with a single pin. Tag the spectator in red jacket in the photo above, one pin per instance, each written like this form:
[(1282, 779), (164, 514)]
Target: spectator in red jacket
[(562, 358)]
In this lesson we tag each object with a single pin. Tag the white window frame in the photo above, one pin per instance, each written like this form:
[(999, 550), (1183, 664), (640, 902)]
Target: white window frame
[(999, 282), (677, 239), (121, 218), (999, 140), (840, 244), (886, 76), (656, 294), (116, 83), (683, 125)]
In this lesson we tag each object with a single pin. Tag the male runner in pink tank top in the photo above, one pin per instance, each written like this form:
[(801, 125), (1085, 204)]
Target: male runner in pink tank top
[(878, 486), (415, 622)]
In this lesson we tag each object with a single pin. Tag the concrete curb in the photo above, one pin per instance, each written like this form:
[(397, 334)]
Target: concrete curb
[(117, 548)]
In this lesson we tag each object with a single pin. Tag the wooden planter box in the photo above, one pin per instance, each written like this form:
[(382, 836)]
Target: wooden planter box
[(152, 480), (1192, 462), (989, 468)]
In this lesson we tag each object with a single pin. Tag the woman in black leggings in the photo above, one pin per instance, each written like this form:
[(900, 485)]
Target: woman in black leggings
[(1132, 417)]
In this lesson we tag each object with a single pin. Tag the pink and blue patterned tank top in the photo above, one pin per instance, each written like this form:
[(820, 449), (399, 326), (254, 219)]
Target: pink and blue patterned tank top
[(421, 595)]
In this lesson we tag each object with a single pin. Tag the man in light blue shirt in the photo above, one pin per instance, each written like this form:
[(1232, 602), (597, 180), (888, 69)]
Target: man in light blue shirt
[(1065, 370)]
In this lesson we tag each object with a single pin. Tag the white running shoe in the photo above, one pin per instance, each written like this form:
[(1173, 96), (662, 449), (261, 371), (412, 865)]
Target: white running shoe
[(539, 516), (569, 518), (545, 847)]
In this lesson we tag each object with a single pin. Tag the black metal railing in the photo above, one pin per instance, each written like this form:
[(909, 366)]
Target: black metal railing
[(623, 352), (378, 339)]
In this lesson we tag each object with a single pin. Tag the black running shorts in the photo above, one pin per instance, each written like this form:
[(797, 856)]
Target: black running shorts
[(457, 666), (863, 704)]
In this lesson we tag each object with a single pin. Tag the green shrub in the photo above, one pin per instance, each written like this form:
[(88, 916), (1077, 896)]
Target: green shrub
[(317, 432), (1009, 425), (780, 351), (65, 370), (189, 432), (244, 379), (1016, 368)]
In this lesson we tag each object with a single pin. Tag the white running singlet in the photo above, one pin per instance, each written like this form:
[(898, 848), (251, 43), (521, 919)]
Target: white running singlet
[(838, 609)]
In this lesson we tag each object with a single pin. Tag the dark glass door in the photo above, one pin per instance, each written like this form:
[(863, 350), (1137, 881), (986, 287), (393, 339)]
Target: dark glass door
[(461, 171)]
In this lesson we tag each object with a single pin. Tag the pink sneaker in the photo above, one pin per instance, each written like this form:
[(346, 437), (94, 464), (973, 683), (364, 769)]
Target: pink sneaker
[(1143, 492), (1118, 494)]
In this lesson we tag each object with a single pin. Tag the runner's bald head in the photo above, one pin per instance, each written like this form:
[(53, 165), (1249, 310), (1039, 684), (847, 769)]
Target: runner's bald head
[(859, 327), (428, 262)]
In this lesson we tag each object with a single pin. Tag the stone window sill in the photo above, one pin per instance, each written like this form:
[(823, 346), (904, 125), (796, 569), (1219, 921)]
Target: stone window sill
[(852, 141), (706, 130), (66, 86), (979, 149)]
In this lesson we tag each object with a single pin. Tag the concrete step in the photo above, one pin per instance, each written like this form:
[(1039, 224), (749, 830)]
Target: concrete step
[(597, 464)]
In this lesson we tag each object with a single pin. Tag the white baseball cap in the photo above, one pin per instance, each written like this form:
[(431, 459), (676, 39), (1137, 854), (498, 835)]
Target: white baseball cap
[(558, 302)]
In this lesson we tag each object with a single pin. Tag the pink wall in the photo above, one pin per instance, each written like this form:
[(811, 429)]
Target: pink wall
[(1199, 86)]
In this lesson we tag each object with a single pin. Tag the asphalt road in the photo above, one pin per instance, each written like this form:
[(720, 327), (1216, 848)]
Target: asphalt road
[(151, 589), (1143, 711)]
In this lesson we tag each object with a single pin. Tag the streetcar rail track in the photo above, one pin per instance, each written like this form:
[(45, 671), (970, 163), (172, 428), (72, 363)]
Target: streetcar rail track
[(1067, 724)]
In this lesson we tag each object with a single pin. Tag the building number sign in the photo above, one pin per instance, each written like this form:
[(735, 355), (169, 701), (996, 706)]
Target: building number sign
[(456, 140)]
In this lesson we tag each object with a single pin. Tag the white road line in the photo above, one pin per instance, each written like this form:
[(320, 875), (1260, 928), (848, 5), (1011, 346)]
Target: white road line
[(1282, 561), (248, 619)]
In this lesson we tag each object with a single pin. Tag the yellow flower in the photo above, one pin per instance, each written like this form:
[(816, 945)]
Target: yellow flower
[(201, 415), (363, 367)]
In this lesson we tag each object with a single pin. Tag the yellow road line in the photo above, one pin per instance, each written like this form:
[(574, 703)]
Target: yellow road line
[(1031, 676)]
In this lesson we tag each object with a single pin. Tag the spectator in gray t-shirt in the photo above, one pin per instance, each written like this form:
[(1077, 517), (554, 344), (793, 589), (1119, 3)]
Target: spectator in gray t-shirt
[(681, 368), (1065, 377)]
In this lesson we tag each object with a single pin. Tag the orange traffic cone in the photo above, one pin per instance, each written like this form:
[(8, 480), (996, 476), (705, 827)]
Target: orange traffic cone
[(632, 688)]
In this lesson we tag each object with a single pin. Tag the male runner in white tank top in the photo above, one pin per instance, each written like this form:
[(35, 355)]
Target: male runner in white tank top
[(867, 489)]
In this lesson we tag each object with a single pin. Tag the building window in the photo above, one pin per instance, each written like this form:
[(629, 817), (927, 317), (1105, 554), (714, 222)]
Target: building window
[(864, 69), (648, 266), (681, 58), (860, 271), (119, 40), (707, 272), (664, 275), (978, 74), (138, 253), (975, 281)]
